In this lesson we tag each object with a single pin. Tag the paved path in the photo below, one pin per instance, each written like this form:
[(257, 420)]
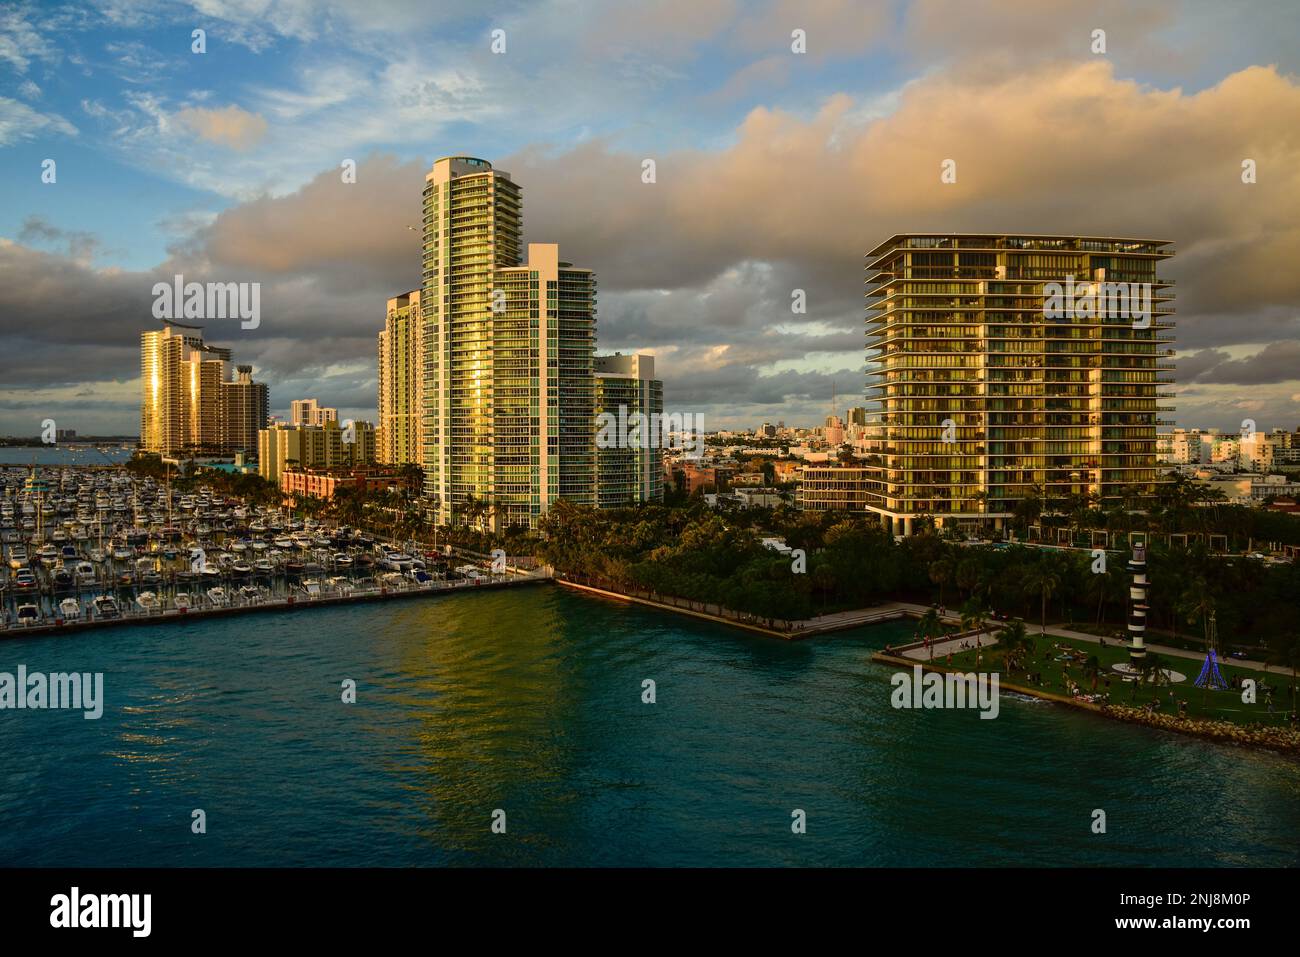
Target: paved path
[(943, 647)]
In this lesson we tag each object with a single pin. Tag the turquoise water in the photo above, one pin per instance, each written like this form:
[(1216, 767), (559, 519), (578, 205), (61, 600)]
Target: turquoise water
[(529, 700)]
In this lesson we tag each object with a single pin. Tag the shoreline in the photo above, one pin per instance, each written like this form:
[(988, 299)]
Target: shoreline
[(291, 603), (841, 621), (1222, 732)]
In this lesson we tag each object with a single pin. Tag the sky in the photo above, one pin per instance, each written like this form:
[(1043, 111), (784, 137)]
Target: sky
[(776, 169)]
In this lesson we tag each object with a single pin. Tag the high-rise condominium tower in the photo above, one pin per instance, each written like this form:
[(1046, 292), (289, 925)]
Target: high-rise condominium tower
[(246, 408), (993, 385), (508, 347), (182, 401), (401, 382), (629, 473)]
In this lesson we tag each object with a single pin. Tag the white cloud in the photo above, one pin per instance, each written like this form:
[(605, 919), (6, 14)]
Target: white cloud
[(19, 122)]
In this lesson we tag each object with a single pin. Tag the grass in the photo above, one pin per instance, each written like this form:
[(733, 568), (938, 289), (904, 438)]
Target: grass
[(1215, 705)]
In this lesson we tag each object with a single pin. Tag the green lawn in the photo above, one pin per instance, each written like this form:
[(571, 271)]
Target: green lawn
[(1218, 705)]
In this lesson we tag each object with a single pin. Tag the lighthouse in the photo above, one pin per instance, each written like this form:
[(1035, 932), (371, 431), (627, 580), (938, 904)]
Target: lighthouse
[(1137, 603)]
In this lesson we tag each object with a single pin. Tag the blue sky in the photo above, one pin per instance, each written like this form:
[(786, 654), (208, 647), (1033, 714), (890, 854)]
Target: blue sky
[(777, 171)]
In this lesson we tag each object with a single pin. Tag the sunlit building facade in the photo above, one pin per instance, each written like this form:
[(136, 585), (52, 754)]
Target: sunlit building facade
[(508, 354), (187, 402), (989, 387), (401, 382)]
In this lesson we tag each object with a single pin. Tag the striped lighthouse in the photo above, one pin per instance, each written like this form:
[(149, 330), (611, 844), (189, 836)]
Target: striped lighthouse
[(1137, 604)]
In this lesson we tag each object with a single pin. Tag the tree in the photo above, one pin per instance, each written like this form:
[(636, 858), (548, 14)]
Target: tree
[(941, 572), (1043, 581), (1014, 640), (930, 627)]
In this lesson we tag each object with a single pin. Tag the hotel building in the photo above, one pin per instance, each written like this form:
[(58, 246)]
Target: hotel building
[(187, 403), (987, 393), (509, 392), (401, 382), (625, 476)]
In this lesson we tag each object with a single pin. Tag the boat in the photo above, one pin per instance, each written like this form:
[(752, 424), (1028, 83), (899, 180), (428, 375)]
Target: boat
[(70, 609), (24, 578), (342, 561), (17, 556), (147, 601), (241, 568), (339, 584), (218, 597), (263, 567), (62, 577), (28, 614), (250, 593), (106, 607), (311, 587), (182, 601), (84, 572)]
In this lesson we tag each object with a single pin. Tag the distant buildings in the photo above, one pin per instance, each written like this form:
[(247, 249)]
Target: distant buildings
[(990, 384), (1266, 451), (1184, 447), (188, 403), (509, 390), (308, 412), (625, 385), (401, 382)]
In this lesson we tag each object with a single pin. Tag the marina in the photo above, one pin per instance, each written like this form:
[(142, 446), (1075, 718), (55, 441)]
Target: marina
[(93, 548)]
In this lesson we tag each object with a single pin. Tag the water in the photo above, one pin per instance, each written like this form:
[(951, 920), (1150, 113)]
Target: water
[(529, 700), (63, 454)]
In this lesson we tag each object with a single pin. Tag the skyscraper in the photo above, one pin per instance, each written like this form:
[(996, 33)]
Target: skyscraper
[(1013, 365), (401, 382), (625, 476), (508, 346), (245, 408), (183, 399)]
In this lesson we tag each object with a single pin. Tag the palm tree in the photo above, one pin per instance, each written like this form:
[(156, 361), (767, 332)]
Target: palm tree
[(1152, 671), (1043, 581), (974, 615), (1014, 639), (930, 627), (941, 570)]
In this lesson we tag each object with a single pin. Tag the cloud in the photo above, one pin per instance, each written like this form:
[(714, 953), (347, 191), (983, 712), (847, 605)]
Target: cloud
[(228, 126), (1277, 362), (20, 41), (19, 122), (79, 246), (699, 266)]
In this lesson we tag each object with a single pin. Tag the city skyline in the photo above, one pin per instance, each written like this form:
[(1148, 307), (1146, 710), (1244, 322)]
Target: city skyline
[(231, 165)]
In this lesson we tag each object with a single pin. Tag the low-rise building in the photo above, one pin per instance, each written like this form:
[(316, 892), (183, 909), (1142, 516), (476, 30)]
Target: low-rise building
[(841, 488)]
